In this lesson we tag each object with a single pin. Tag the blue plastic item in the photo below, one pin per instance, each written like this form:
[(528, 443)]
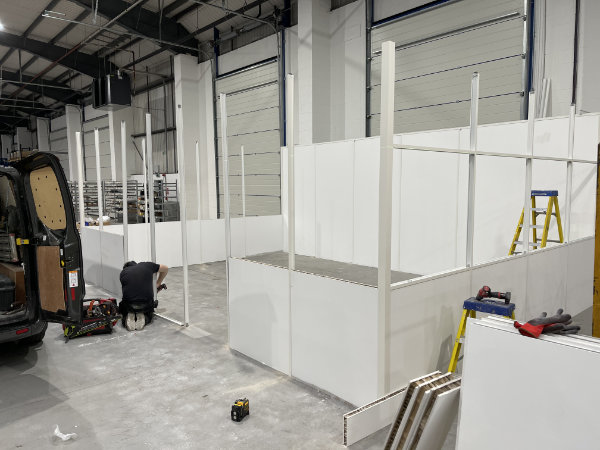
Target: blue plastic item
[(544, 193), (489, 306)]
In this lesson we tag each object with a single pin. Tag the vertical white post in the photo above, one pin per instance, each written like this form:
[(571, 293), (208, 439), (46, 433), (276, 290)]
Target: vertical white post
[(472, 167), (99, 179), (124, 197), (150, 195), (80, 180), (198, 181), (145, 173), (528, 173), (183, 221), (243, 182), (150, 191), (111, 137), (386, 160), (225, 151), (289, 100), (569, 193), (243, 195), (199, 196)]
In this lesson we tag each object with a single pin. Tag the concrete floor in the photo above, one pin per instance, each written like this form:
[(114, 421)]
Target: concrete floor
[(163, 387), (167, 387)]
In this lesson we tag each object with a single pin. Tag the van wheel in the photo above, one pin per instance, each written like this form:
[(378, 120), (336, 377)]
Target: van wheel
[(36, 338)]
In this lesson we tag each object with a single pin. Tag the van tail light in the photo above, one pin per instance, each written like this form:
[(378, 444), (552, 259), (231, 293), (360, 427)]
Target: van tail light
[(22, 330)]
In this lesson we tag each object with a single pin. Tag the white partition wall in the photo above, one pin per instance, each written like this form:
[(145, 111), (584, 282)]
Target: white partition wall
[(334, 336), (330, 332), (337, 192), (259, 312)]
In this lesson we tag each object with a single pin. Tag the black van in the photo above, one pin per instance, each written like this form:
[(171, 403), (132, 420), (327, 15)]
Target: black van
[(37, 220)]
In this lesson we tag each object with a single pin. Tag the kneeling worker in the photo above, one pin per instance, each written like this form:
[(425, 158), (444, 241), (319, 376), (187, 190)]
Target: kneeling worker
[(137, 306)]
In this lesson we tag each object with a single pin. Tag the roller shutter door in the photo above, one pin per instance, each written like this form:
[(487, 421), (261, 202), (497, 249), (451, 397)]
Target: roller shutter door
[(252, 121), (437, 52), (59, 146), (100, 122)]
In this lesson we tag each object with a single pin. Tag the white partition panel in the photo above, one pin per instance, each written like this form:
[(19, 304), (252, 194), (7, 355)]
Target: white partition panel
[(305, 199), (259, 312), (334, 200), (586, 137), (112, 262), (366, 195), (91, 252), (424, 319), (334, 336), (557, 377), (499, 186), (336, 191), (583, 211), (263, 234), (546, 282), (579, 267)]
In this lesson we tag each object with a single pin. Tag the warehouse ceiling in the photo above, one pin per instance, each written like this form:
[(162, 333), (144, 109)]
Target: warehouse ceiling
[(50, 50)]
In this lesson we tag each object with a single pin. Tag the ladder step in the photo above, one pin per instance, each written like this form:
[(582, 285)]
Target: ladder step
[(553, 240), (531, 244), (537, 227)]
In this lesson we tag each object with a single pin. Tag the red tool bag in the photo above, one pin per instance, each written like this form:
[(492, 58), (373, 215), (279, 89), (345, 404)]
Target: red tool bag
[(100, 315)]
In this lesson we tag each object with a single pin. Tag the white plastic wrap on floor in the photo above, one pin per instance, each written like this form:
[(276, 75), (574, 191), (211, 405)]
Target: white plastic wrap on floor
[(520, 392), (333, 331)]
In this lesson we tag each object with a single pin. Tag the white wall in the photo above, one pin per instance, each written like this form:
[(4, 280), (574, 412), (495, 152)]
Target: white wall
[(326, 53), (336, 215), (194, 96), (589, 58)]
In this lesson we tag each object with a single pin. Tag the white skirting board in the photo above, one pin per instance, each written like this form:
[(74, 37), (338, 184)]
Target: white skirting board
[(525, 392), (368, 419)]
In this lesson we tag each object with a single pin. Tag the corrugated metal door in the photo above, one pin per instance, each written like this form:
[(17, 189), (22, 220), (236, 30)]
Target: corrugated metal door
[(252, 122), (436, 53)]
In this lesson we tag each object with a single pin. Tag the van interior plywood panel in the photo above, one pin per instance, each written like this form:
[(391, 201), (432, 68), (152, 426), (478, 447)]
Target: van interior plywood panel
[(50, 279), (48, 198), (17, 275)]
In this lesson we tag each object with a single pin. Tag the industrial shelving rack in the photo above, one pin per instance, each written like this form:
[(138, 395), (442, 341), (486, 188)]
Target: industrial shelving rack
[(166, 204)]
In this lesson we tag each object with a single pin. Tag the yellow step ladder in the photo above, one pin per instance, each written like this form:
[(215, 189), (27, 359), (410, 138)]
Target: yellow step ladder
[(548, 212), (470, 308)]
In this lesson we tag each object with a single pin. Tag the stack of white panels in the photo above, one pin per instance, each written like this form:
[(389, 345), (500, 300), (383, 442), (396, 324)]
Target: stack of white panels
[(427, 409), (520, 392)]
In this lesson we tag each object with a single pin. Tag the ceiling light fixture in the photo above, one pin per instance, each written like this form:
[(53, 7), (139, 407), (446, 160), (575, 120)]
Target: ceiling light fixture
[(1, 27)]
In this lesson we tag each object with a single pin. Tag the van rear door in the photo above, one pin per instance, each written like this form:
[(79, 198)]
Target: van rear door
[(54, 246)]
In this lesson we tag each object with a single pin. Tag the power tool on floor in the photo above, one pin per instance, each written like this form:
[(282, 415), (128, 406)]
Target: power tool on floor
[(486, 292), (240, 409)]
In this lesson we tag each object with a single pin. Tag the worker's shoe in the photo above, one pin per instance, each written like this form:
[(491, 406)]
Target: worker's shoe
[(130, 322), (140, 321)]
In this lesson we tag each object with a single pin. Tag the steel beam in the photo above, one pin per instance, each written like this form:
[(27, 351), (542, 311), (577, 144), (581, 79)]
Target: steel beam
[(81, 62), (144, 21)]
